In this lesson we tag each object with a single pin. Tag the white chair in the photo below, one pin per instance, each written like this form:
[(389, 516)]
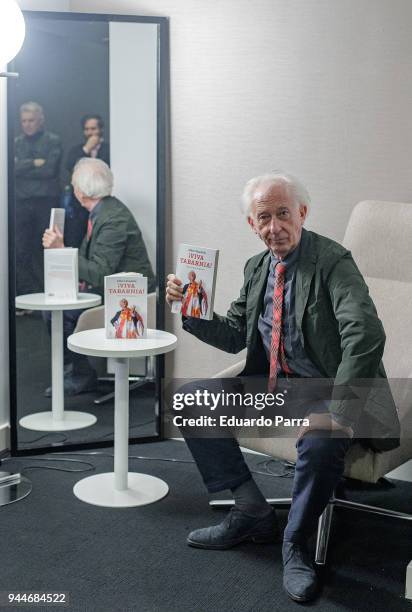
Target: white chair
[(379, 237), (93, 318)]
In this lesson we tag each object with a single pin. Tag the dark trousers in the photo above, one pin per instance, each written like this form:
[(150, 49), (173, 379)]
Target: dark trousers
[(319, 467), (32, 219)]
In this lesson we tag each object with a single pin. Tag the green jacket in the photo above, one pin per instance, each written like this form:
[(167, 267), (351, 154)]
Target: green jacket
[(339, 329), (116, 245)]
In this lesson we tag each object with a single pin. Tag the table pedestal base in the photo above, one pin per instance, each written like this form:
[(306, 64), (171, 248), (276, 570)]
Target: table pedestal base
[(15, 491), (99, 490), (44, 421)]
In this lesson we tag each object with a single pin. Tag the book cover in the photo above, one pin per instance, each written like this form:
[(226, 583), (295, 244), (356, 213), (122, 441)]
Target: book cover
[(125, 305), (61, 274), (196, 268), (57, 216)]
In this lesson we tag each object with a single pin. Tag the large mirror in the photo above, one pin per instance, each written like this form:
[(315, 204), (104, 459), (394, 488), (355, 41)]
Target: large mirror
[(90, 86)]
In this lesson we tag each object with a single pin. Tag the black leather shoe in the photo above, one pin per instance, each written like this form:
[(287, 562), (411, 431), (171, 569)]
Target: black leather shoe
[(299, 576), (75, 384), (236, 527)]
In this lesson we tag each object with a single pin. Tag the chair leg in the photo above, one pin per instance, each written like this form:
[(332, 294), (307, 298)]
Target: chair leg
[(278, 502), (345, 503), (322, 538), (137, 382)]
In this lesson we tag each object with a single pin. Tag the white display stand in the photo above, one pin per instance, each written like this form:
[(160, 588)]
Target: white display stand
[(121, 488), (58, 419)]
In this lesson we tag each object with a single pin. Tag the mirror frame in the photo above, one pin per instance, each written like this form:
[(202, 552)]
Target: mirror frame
[(161, 198)]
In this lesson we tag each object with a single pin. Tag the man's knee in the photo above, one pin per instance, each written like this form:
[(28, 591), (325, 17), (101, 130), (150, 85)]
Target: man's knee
[(322, 451)]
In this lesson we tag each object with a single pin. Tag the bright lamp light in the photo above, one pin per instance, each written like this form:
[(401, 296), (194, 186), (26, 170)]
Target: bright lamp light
[(12, 30)]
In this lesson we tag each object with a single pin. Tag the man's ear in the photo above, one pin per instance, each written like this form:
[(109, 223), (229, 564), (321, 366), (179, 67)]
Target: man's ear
[(251, 223), (303, 211)]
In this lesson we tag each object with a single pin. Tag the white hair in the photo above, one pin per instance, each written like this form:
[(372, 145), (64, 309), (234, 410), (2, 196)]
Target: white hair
[(295, 189), (93, 177), (32, 107)]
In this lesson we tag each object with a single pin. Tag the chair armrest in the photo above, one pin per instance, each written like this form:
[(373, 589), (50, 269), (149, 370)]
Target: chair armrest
[(92, 318), (232, 371)]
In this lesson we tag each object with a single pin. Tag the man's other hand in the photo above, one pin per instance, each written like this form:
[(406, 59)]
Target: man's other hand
[(53, 239), (91, 143), (174, 289), (38, 163), (325, 422)]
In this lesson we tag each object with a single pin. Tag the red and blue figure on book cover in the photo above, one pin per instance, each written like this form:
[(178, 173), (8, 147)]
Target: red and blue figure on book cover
[(127, 322)]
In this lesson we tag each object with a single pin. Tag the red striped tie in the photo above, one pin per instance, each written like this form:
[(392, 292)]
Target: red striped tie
[(277, 349)]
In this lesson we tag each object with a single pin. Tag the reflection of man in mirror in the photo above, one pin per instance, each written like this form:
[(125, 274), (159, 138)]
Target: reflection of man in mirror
[(113, 244), (194, 302), (94, 146), (37, 163)]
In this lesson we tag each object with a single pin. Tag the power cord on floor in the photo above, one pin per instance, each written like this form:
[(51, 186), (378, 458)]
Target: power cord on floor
[(111, 456), (64, 439), (45, 436), (288, 472), (90, 467), (289, 469)]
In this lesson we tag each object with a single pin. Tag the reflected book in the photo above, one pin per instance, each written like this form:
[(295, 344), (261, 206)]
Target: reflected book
[(196, 268), (125, 306), (61, 275), (57, 216)]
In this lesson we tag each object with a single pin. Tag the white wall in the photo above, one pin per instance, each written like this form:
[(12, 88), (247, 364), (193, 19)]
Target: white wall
[(321, 88), (133, 116), (44, 5)]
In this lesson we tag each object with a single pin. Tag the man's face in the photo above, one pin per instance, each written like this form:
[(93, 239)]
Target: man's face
[(276, 219), (31, 123), (91, 128)]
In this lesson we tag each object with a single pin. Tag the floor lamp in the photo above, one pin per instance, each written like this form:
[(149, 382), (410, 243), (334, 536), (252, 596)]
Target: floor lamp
[(13, 487)]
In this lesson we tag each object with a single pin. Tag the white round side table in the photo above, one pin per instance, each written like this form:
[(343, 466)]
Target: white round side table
[(58, 419), (121, 488)]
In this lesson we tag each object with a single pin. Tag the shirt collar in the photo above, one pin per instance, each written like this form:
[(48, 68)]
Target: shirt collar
[(95, 211), (290, 259)]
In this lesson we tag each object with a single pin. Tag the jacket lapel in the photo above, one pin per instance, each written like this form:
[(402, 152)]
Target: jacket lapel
[(304, 275), (255, 295), (100, 218)]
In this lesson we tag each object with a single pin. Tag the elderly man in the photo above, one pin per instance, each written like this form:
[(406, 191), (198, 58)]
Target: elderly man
[(37, 164), (303, 311), (113, 243)]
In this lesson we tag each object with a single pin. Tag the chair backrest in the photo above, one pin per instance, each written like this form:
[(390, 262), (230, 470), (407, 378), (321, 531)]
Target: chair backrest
[(379, 236), (93, 318)]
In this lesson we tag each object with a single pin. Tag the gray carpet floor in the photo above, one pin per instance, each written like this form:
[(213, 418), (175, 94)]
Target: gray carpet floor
[(136, 559)]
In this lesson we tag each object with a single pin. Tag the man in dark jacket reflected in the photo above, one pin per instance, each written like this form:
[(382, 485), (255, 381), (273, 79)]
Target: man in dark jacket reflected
[(37, 165)]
